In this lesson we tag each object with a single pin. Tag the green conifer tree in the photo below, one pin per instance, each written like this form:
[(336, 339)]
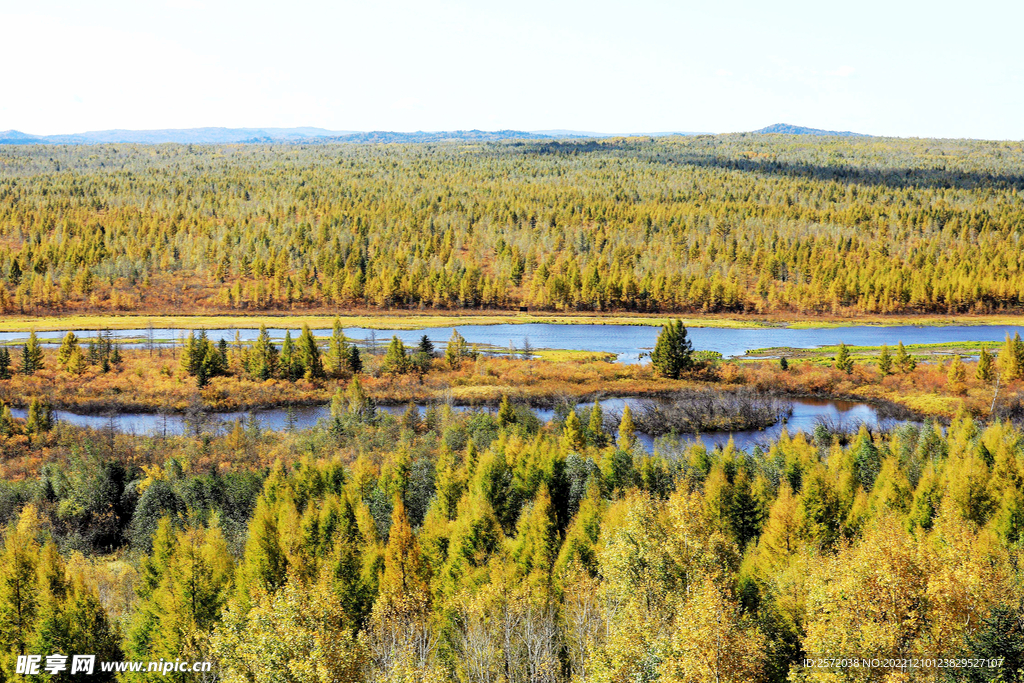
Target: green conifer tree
[(885, 361), (843, 360), (506, 413), (262, 357), (456, 351), (338, 351), (355, 361), (308, 355), (1008, 362), (396, 360), (289, 363), (31, 355), (40, 417), (984, 370), (904, 361), (673, 353)]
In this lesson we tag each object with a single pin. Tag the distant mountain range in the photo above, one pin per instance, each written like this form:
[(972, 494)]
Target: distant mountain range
[(180, 135), (789, 129), (207, 136), (310, 135)]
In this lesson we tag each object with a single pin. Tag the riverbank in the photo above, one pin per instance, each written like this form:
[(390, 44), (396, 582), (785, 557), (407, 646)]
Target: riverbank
[(409, 320), (825, 354), (154, 383)]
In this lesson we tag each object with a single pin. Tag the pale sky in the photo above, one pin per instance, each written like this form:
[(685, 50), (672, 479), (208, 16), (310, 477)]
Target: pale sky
[(925, 69)]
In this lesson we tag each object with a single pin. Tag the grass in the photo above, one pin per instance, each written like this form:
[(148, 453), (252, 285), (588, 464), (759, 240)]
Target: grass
[(416, 321), (869, 352), (406, 321), (563, 355), (904, 320)]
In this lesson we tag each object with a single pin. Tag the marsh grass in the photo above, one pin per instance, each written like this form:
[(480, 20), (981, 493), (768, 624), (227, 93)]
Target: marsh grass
[(693, 411)]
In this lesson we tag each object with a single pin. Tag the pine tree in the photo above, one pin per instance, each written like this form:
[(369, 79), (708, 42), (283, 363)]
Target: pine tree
[(203, 369), (40, 417), (19, 589), (67, 347), (339, 405), (76, 364), (338, 351), (506, 413), (192, 593), (190, 355), (904, 361), (956, 375), (360, 405), (781, 532), (222, 351), (1008, 362), (627, 431), (93, 355), (6, 421), (595, 426), (289, 363), (885, 361), (456, 351), (984, 370), (31, 355), (71, 617), (536, 545), (396, 361), (425, 346), (573, 438), (843, 361), (308, 355), (265, 564), (262, 357), (5, 363), (355, 362), (403, 602), (14, 274), (673, 353)]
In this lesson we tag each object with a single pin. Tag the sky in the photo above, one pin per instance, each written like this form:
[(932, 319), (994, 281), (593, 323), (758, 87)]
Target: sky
[(899, 68)]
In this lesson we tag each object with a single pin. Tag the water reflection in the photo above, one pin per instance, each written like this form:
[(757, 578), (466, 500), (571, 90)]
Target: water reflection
[(807, 413)]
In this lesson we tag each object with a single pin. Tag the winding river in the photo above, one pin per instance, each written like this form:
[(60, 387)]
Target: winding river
[(630, 343), (807, 413)]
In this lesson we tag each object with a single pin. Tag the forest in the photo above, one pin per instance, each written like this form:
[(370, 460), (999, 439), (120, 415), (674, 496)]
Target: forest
[(742, 224), (490, 545), (458, 513)]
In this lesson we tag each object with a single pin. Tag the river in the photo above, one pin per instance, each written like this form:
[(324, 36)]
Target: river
[(628, 342), (805, 416)]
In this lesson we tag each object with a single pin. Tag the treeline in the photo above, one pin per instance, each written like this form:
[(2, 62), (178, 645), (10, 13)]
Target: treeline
[(491, 547), (740, 224)]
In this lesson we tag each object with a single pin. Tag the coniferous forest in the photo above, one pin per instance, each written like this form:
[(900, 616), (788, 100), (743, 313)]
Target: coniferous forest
[(743, 223), (478, 515)]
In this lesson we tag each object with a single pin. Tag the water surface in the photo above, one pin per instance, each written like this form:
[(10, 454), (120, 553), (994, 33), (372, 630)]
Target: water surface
[(805, 416), (628, 342)]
